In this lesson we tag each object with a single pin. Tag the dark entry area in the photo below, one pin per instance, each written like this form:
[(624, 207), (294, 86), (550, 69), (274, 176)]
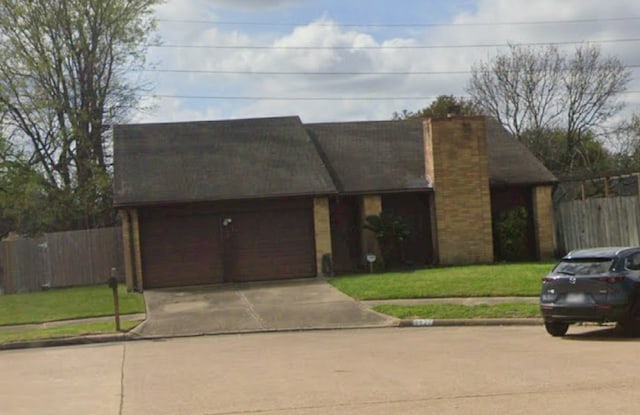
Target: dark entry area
[(512, 245), (345, 233), (415, 210)]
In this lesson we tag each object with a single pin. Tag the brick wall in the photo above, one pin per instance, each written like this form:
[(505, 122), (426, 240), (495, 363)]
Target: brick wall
[(456, 163), (322, 230), (543, 221)]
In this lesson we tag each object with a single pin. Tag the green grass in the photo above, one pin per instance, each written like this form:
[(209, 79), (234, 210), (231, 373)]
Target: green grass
[(451, 311), (72, 330), (463, 281), (66, 304)]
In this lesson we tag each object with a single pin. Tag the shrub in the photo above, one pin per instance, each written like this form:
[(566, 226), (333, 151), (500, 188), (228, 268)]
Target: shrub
[(391, 231), (509, 233)]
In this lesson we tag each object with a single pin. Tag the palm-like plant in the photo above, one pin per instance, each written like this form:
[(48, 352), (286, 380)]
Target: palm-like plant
[(391, 231)]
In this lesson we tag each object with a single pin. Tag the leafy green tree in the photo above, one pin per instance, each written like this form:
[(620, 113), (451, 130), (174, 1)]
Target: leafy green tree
[(442, 106), (66, 74), (549, 146)]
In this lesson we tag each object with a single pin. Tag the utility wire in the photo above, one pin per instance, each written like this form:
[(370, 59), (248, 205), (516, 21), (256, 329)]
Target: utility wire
[(266, 98), (401, 25), (387, 47), (319, 73)]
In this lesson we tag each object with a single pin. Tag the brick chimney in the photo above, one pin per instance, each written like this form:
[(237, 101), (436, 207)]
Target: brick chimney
[(456, 165)]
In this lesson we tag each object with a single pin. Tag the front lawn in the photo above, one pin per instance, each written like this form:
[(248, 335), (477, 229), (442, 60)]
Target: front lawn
[(498, 280), (448, 311), (66, 304), (72, 330)]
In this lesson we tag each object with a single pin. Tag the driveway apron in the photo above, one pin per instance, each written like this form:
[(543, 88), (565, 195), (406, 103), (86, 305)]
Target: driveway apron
[(250, 307)]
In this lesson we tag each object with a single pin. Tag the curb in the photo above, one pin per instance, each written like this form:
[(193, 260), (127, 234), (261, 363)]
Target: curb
[(131, 336), (66, 341), (421, 322)]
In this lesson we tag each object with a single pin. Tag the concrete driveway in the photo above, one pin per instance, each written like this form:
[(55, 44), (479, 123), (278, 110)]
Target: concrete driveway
[(250, 307)]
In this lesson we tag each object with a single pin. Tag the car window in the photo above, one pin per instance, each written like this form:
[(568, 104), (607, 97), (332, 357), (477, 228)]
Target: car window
[(586, 266), (632, 262)]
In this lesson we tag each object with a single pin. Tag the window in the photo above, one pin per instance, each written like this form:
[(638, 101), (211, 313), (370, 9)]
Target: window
[(584, 266), (632, 262)]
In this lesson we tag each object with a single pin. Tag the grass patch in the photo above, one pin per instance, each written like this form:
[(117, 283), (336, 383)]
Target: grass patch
[(451, 311), (72, 330), (66, 304), (501, 280)]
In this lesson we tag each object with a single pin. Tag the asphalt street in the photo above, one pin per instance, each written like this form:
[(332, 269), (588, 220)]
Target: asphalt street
[(448, 370)]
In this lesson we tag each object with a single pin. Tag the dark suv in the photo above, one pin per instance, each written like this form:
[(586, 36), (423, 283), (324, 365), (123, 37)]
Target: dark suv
[(598, 285)]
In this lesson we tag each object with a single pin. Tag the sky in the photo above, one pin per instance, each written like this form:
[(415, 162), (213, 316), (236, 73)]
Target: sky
[(352, 60)]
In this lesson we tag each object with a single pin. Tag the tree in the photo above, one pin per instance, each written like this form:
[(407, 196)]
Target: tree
[(66, 71), (442, 106), (536, 91), (626, 145), (548, 145)]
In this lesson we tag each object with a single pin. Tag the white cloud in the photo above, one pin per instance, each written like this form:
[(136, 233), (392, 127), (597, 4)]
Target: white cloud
[(254, 5), (346, 54), (174, 110)]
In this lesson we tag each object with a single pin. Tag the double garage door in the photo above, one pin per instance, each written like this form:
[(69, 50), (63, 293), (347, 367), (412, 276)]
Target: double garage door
[(227, 242)]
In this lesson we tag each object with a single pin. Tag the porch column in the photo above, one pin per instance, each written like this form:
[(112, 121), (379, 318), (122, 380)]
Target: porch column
[(128, 254), (370, 205), (137, 255), (543, 221), (322, 233)]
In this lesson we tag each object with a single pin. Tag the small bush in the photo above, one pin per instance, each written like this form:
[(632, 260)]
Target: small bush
[(391, 232), (509, 233)]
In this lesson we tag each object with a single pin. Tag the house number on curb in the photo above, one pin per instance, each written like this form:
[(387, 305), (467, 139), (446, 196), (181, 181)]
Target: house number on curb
[(422, 322)]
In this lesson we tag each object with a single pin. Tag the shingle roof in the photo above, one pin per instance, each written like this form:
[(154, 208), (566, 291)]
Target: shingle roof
[(373, 156), (510, 162), (217, 160), (275, 157)]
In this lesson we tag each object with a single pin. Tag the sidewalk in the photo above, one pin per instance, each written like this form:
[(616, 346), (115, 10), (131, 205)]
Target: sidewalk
[(454, 300), (468, 301), (366, 304), (370, 303)]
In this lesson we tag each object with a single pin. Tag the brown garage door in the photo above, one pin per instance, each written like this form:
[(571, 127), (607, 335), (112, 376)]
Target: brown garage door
[(180, 249), (270, 244), (240, 241)]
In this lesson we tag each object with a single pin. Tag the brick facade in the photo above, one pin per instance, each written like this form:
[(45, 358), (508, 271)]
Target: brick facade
[(543, 221), (127, 247), (322, 231), (456, 164)]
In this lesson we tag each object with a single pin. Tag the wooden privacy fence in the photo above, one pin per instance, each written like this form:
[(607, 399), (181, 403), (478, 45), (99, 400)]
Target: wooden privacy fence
[(60, 259), (588, 223)]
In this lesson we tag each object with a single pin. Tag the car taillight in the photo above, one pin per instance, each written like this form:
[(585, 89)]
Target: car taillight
[(611, 279), (546, 279)]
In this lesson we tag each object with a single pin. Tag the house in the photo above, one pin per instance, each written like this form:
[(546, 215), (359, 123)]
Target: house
[(273, 198)]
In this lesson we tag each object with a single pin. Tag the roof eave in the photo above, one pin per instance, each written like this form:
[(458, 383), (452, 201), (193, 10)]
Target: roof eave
[(386, 191), (147, 203)]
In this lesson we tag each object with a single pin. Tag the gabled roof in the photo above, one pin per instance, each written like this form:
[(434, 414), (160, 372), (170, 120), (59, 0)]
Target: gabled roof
[(510, 162), (217, 160), (276, 157), (375, 156)]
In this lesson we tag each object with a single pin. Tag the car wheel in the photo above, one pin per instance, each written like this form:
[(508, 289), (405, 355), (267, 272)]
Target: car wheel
[(556, 328), (630, 325)]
